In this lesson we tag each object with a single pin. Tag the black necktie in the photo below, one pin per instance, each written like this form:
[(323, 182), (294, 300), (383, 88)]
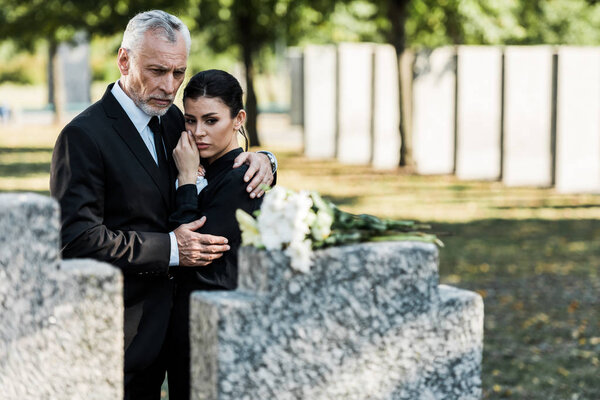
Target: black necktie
[(163, 166), (155, 127)]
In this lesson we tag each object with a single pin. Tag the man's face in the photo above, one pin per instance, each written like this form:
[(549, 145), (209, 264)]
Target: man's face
[(152, 74)]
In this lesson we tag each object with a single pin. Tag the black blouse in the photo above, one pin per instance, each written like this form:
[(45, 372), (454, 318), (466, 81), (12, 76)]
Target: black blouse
[(218, 201)]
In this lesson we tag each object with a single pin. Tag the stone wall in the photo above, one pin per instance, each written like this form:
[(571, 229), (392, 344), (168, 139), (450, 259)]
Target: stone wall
[(578, 120), (525, 115), (479, 112), (433, 110), (368, 321), (527, 147), (351, 103), (61, 322)]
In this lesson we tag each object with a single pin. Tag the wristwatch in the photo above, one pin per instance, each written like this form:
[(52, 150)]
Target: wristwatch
[(272, 159)]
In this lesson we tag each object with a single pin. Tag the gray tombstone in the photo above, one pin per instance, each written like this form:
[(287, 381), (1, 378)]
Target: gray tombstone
[(319, 101), (578, 120), (479, 112), (77, 75), (355, 69), (295, 66), (433, 111), (367, 321), (528, 116), (386, 109), (61, 323)]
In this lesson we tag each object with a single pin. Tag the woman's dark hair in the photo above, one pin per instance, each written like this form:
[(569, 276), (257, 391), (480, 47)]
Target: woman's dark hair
[(217, 84)]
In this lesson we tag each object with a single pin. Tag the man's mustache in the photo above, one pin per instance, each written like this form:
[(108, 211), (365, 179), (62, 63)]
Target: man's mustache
[(168, 98)]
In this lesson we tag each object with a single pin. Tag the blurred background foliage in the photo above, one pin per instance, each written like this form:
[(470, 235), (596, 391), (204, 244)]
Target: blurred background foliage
[(250, 37), (29, 25), (256, 33)]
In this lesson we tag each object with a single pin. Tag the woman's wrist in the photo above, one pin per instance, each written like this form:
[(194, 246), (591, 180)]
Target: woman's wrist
[(187, 179)]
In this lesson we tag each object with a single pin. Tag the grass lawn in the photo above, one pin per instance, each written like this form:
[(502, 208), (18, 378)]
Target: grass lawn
[(531, 253)]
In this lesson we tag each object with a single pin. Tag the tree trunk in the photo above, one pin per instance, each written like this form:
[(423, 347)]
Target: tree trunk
[(245, 20), (56, 84), (406, 67), (453, 23), (398, 14), (251, 103)]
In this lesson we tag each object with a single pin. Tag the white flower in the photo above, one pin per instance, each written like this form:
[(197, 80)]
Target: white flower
[(282, 218), (249, 228), (299, 253), (284, 223), (321, 227), (290, 221)]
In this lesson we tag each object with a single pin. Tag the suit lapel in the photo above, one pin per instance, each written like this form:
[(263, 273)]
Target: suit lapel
[(126, 130)]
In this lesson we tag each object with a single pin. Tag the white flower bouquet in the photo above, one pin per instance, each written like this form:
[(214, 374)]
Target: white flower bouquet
[(298, 222)]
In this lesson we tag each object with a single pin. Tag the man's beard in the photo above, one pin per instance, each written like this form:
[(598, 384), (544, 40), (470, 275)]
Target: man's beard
[(145, 106)]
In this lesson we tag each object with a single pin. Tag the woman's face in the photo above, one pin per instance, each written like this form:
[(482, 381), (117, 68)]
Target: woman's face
[(209, 120)]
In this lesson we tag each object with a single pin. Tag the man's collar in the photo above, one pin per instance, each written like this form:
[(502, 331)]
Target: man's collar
[(139, 118)]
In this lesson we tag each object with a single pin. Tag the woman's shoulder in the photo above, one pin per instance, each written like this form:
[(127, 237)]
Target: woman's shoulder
[(233, 176), (229, 190), (223, 167)]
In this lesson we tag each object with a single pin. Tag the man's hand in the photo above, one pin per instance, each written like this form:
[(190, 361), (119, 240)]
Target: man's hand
[(197, 249), (259, 171)]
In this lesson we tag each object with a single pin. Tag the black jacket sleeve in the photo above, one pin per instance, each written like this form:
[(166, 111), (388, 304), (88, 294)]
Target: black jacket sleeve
[(77, 181), (219, 204), (219, 209), (186, 206)]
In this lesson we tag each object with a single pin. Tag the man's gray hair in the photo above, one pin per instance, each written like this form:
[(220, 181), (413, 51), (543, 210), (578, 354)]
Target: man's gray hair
[(165, 24)]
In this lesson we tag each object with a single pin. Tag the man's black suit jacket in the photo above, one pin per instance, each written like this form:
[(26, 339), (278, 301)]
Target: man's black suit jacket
[(115, 210)]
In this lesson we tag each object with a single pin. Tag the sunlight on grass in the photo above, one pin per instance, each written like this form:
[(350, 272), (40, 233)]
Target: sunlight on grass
[(393, 194), (23, 136), (39, 184)]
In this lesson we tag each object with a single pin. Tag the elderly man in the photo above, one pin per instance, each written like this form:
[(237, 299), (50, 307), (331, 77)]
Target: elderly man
[(113, 174)]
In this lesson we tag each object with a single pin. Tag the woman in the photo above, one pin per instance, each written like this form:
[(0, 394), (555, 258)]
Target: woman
[(213, 118)]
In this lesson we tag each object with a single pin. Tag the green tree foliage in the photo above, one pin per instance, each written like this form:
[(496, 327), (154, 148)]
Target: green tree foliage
[(250, 27), (56, 21), (59, 20), (18, 67), (433, 23)]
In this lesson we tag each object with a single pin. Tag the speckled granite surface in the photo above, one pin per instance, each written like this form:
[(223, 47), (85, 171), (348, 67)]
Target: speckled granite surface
[(368, 322), (61, 322)]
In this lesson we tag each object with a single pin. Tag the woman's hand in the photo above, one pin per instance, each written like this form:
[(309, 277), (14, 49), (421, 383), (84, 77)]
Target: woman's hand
[(187, 159)]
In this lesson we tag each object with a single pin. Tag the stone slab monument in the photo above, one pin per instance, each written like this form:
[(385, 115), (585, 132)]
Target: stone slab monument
[(479, 112), (434, 94), (61, 322), (320, 91), (76, 72), (578, 120), (355, 93), (368, 321), (295, 62), (528, 116), (386, 108)]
